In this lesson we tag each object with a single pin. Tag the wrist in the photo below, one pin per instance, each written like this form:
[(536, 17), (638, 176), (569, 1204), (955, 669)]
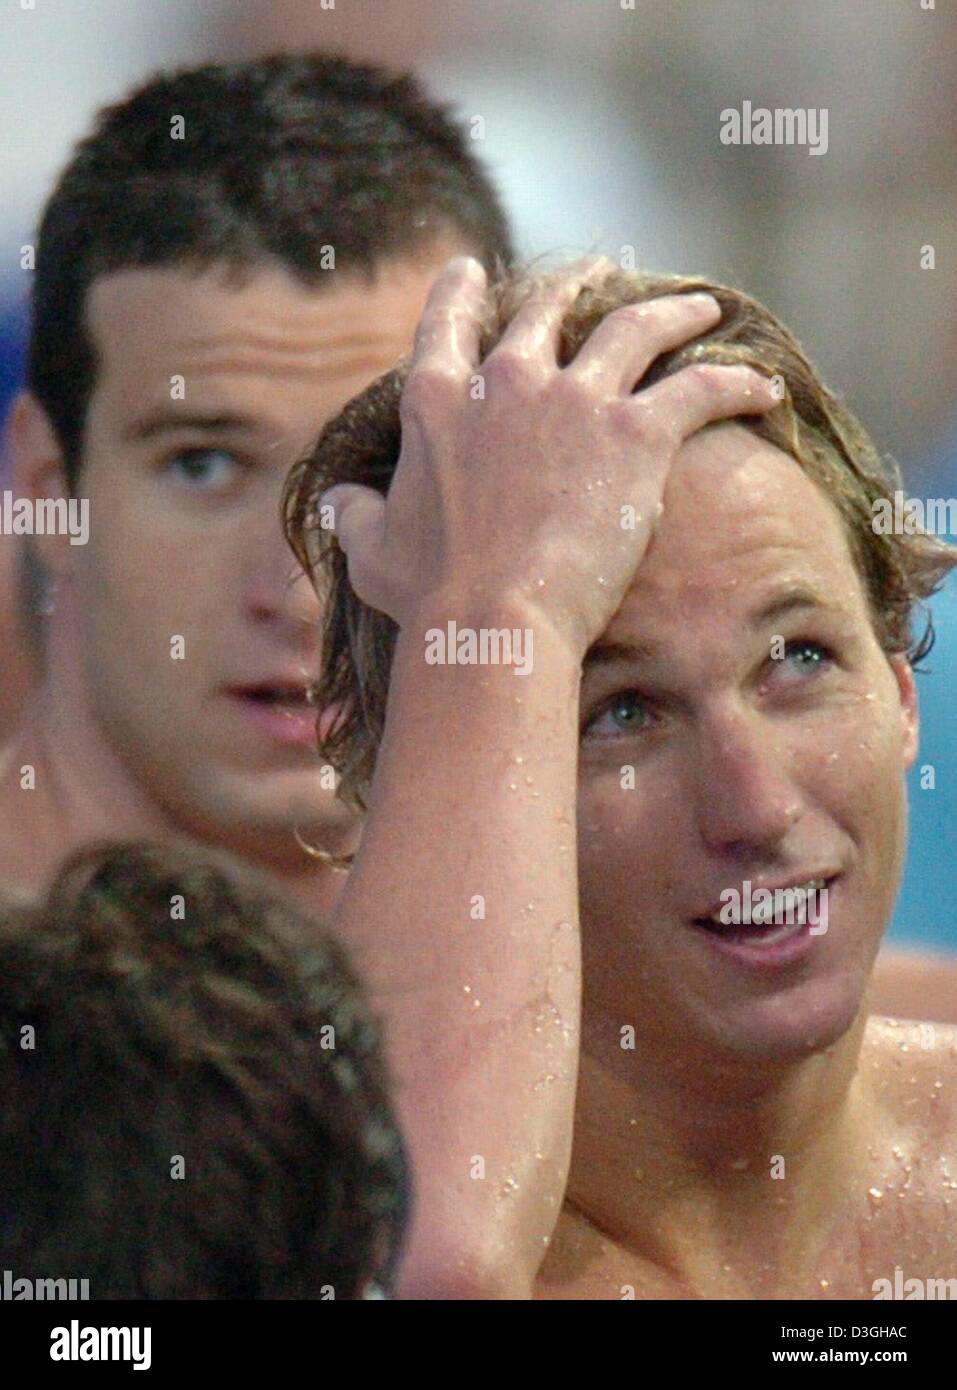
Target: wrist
[(472, 629)]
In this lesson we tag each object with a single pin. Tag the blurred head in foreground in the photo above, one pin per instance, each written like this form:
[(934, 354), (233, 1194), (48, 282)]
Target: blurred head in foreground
[(195, 1105)]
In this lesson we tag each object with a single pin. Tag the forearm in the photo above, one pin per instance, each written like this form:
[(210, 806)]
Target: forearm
[(462, 910)]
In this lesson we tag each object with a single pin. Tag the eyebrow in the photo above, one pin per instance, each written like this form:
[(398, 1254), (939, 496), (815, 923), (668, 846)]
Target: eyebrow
[(165, 421), (800, 598)]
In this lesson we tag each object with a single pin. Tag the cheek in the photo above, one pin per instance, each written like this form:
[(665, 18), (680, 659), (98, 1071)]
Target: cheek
[(624, 833), (860, 768)]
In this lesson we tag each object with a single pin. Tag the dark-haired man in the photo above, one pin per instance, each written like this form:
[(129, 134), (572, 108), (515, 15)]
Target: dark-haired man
[(229, 257)]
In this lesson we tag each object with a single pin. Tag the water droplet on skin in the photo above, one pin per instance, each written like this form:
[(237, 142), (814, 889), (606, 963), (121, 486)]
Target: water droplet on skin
[(544, 1081), (875, 1195), (508, 1187), (466, 989)]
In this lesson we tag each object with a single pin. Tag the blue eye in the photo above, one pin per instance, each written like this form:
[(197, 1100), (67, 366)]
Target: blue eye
[(204, 469), (818, 655), (626, 713)]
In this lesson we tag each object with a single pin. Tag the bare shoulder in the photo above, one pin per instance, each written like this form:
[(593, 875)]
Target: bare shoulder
[(915, 984), (910, 1072)]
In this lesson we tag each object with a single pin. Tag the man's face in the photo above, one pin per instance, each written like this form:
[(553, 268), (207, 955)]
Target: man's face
[(746, 767), (206, 393)]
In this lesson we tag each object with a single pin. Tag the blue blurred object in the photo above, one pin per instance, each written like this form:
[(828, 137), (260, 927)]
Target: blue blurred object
[(13, 342), (925, 914)]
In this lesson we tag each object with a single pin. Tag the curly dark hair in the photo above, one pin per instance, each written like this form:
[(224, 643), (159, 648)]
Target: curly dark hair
[(362, 443), (180, 1011)]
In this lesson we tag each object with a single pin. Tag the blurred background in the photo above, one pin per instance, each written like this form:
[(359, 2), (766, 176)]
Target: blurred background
[(600, 121)]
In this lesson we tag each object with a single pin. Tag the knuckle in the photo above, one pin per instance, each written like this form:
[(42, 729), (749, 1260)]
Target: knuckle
[(508, 368), (655, 430), (704, 378), (647, 420), (576, 392), (428, 387), (645, 313)]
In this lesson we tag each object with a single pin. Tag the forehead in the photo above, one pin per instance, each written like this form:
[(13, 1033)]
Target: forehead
[(225, 335), (741, 519)]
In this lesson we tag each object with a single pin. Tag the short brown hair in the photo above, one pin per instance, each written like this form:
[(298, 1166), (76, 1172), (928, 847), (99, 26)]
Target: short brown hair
[(201, 1032), (280, 158), (362, 443)]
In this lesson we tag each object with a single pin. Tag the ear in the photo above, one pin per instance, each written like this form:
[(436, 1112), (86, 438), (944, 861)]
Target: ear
[(37, 471), (910, 718)]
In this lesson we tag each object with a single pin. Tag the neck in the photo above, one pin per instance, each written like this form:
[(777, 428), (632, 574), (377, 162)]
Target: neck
[(722, 1176), (81, 790)]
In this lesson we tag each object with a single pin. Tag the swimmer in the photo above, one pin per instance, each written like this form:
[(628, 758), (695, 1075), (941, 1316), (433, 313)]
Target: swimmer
[(657, 488)]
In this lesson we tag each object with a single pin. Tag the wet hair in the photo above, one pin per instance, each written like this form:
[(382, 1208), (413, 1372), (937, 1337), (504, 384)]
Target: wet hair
[(279, 159), (361, 445), (160, 1006)]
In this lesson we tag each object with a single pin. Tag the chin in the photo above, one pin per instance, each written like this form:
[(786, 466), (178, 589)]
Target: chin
[(792, 1024)]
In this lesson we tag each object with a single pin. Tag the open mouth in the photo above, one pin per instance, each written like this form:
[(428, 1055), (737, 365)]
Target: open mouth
[(294, 698), (768, 917), (281, 710)]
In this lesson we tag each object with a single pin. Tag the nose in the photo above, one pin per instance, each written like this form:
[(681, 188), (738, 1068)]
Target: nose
[(747, 801), (275, 589)]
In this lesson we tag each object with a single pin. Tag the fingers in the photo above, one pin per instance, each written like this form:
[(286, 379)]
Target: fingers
[(535, 331), (448, 331), (359, 516), (625, 344), (703, 393)]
